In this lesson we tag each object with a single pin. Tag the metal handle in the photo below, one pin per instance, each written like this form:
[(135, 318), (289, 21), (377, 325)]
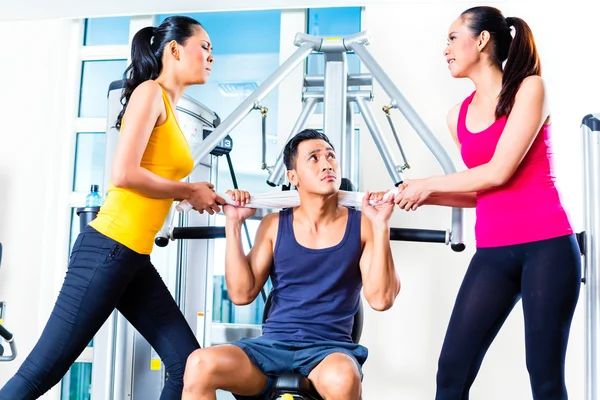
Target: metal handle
[(5, 334)]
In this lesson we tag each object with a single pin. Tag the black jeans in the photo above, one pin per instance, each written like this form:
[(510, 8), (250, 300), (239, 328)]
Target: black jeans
[(546, 275), (104, 275)]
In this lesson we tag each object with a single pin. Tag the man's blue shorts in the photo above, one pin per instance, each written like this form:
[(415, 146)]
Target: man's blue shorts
[(274, 357)]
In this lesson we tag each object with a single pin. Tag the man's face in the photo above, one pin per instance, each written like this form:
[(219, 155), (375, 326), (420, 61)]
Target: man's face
[(316, 168)]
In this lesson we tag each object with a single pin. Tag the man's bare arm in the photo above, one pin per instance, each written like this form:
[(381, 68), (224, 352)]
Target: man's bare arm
[(381, 283), (245, 275)]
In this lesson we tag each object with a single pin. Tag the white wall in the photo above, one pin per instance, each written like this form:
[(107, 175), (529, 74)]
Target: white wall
[(35, 173), (408, 39)]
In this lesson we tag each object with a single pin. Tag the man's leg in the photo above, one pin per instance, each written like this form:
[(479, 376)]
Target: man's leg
[(225, 367), (337, 378)]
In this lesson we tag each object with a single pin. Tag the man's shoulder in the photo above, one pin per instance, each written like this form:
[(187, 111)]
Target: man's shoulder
[(270, 222), (271, 218), (267, 230), (365, 228)]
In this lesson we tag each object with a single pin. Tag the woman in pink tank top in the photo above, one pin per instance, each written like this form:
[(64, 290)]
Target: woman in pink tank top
[(526, 248)]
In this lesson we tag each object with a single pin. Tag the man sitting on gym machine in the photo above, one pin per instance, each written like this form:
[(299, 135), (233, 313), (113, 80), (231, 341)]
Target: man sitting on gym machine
[(318, 255)]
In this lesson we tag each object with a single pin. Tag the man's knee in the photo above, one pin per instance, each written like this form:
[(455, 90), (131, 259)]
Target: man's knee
[(341, 378), (199, 368)]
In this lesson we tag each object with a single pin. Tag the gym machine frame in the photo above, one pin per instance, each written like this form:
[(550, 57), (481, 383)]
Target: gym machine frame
[(4, 333), (336, 96), (590, 128)]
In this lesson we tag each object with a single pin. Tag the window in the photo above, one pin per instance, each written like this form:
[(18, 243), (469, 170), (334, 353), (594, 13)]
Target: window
[(74, 228), (106, 31), (334, 22), (89, 161), (239, 32), (77, 382), (95, 78)]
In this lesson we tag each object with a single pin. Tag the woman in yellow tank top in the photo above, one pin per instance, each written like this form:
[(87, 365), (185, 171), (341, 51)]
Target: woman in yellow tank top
[(110, 263)]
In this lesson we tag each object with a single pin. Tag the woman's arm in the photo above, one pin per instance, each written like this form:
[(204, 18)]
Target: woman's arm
[(460, 200), (143, 111), (524, 122)]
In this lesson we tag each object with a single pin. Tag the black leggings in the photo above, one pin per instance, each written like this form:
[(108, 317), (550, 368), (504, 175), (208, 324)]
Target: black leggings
[(104, 275), (546, 275)]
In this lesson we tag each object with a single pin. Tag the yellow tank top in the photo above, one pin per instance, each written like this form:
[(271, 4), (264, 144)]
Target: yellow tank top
[(133, 219)]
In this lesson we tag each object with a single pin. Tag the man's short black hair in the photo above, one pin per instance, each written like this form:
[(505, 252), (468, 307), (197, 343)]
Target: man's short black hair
[(290, 152)]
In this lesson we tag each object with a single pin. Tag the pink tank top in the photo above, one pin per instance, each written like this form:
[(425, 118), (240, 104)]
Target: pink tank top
[(528, 207)]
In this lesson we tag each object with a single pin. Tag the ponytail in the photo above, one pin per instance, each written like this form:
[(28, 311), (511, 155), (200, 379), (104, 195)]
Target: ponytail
[(523, 61), (147, 51), (520, 52), (144, 66)]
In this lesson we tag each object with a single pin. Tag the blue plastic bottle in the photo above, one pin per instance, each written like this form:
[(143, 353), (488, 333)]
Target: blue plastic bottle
[(93, 199)]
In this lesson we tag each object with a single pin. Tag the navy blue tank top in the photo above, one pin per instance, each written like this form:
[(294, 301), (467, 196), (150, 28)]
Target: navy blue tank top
[(315, 292)]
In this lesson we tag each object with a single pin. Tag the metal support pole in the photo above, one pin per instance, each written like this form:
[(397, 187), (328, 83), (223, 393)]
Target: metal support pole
[(349, 156), (404, 106), (590, 128), (351, 95), (388, 115), (276, 176), (263, 113), (353, 80), (380, 142), (247, 105), (334, 103), (357, 44)]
